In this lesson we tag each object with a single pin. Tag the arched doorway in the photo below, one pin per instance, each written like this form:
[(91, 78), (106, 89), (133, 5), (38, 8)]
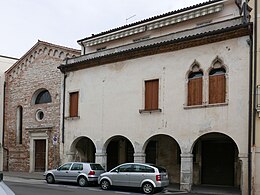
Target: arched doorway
[(84, 150), (215, 161), (119, 150), (164, 151)]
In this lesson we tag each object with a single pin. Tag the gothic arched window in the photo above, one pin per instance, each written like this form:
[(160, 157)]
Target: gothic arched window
[(195, 85)]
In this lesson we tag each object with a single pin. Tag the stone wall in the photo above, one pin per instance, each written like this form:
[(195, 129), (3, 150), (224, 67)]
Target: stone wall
[(35, 72)]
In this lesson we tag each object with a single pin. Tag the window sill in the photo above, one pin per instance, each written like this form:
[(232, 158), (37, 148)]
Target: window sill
[(205, 105), (72, 118), (150, 111)]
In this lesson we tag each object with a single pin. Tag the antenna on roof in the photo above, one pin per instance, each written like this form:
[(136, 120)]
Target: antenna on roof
[(129, 18)]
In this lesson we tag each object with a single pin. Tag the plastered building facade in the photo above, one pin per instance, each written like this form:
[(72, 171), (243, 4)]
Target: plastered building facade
[(170, 90)]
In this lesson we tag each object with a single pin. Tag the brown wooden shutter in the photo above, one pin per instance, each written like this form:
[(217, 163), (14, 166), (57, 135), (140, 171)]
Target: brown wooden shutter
[(74, 97), (151, 94), (217, 89), (195, 92)]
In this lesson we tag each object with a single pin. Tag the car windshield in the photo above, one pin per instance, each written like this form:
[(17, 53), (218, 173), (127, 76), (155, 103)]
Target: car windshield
[(96, 167), (161, 169)]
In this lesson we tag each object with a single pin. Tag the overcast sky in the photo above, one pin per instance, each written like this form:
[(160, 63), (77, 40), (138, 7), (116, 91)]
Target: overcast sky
[(63, 22)]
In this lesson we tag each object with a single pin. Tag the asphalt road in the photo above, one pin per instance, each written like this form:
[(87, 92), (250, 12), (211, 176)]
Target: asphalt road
[(40, 187)]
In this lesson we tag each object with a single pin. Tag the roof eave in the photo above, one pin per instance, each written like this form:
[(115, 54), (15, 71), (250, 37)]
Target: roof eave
[(167, 46)]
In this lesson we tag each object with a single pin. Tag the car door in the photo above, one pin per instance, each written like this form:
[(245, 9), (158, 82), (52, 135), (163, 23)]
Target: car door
[(74, 171), (139, 173), (120, 175), (62, 173)]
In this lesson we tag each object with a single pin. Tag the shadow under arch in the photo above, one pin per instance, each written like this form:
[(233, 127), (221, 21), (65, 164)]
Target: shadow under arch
[(215, 160), (84, 149), (163, 150), (119, 150)]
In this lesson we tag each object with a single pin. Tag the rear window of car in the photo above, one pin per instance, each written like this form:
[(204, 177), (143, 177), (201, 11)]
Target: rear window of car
[(142, 169), (96, 167), (161, 169)]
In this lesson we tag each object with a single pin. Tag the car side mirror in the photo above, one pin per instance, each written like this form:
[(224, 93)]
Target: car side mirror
[(1, 176)]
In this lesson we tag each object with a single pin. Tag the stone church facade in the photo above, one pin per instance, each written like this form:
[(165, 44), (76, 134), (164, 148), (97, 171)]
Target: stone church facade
[(32, 109)]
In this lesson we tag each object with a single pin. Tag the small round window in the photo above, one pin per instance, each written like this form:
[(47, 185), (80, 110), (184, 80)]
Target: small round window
[(39, 115)]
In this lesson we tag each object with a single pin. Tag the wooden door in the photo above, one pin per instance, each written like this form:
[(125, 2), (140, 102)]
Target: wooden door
[(40, 155)]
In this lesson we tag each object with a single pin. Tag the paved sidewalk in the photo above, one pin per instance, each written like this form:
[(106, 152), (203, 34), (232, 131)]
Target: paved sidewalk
[(201, 189), (25, 175)]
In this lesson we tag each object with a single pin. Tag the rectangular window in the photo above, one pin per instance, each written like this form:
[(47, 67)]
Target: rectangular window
[(74, 98), (151, 94)]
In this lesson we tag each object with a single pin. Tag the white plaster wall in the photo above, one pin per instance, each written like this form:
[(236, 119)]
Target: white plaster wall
[(110, 97)]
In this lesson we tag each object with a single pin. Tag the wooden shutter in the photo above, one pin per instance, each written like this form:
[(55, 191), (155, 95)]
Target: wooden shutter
[(74, 97), (151, 94), (195, 92), (217, 89)]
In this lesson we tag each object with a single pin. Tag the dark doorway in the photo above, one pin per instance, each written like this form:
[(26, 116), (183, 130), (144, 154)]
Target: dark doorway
[(40, 155), (150, 152), (218, 163), (112, 157), (119, 150), (85, 150), (164, 151), (215, 161)]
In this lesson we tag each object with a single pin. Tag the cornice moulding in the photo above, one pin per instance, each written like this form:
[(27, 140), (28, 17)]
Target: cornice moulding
[(159, 23)]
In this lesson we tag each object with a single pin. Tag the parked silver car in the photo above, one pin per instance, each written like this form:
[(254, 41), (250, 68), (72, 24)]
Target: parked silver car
[(146, 176), (80, 172)]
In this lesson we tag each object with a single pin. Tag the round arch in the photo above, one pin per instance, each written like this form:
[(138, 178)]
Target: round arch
[(84, 149), (41, 96), (164, 150), (215, 160), (212, 133), (119, 150)]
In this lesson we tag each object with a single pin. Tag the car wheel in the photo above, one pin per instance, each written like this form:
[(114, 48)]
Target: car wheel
[(82, 181), (148, 188), (50, 178), (105, 185)]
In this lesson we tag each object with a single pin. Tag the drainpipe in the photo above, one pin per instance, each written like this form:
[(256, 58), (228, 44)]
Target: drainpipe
[(3, 133), (63, 70), (250, 115), (254, 55), (63, 108), (255, 70)]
